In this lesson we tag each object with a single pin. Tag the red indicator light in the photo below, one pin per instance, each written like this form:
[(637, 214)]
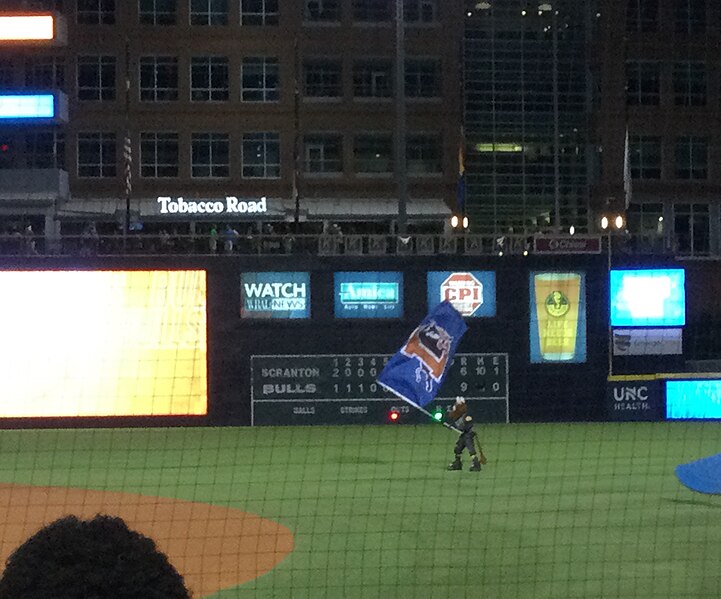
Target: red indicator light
[(4, 147), (394, 416)]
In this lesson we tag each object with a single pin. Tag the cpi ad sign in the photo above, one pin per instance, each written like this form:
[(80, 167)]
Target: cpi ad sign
[(472, 293), (638, 399)]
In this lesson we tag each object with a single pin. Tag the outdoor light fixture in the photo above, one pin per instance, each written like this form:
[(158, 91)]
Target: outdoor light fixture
[(604, 222), (619, 221)]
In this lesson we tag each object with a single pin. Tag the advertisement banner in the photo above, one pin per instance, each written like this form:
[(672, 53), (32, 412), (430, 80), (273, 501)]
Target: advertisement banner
[(368, 294), (647, 342), (634, 400), (693, 399), (473, 294), (557, 317), (648, 297), (269, 295)]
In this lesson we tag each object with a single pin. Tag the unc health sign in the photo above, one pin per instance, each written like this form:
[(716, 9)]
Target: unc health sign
[(275, 295), (473, 294), (634, 399), (368, 294), (230, 205)]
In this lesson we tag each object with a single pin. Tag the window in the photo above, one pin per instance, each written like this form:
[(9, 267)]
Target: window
[(158, 78), (209, 12), (323, 153), (157, 12), (259, 79), (96, 155), (423, 154), (96, 78), (645, 157), (158, 155), (423, 78), (691, 229), (643, 83), (373, 153), (45, 73), (45, 149), (645, 223), (259, 12), (690, 16), (691, 158), (372, 79), (372, 11), (642, 15), (209, 79), (419, 11), (96, 12), (261, 155), (210, 155), (689, 83), (322, 79), (322, 11)]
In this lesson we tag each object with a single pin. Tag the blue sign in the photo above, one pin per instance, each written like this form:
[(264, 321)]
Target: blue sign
[(695, 399), (27, 106), (473, 293), (275, 295), (648, 298), (368, 294)]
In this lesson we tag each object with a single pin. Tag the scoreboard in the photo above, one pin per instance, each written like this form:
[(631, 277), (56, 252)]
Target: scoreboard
[(342, 389)]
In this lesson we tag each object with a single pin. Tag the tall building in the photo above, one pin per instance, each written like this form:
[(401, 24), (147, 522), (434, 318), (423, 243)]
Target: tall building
[(190, 112)]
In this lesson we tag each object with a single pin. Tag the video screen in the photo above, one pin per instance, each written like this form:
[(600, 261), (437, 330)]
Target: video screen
[(693, 400), (268, 295), (648, 298), (103, 343), (368, 294), (473, 294)]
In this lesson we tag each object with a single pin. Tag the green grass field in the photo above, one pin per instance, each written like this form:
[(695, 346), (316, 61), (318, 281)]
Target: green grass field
[(560, 511)]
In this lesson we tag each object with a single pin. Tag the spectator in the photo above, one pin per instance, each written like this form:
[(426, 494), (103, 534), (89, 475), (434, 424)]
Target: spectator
[(230, 237), (213, 241), (99, 558)]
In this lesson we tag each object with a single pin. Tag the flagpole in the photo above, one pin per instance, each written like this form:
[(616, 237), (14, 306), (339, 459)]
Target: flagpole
[(296, 140), (400, 146), (127, 146)]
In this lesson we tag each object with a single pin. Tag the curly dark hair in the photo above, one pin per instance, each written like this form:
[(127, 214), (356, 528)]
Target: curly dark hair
[(90, 559)]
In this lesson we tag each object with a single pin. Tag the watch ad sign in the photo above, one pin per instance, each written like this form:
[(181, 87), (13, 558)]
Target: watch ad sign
[(368, 294), (473, 294), (634, 400), (270, 295), (557, 317)]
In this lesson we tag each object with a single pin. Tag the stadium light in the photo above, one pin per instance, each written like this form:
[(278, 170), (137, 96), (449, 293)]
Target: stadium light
[(604, 222), (619, 221)]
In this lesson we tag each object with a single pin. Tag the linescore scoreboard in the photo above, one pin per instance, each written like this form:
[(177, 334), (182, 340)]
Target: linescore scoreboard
[(342, 389)]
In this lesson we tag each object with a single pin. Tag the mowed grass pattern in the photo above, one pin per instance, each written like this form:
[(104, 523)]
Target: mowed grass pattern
[(560, 511)]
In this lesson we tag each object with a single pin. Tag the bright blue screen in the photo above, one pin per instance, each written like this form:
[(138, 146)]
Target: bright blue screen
[(368, 294), (648, 298), (693, 399), (38, 106)]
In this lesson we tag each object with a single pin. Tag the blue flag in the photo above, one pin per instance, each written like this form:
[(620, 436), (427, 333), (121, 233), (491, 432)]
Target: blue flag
[(416, 372), (702, 476)]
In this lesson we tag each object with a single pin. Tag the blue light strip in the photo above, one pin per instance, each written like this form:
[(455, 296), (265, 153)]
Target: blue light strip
[(36, 106)]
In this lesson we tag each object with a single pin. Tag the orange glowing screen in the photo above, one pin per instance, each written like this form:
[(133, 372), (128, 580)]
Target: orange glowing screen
[(26, 28), (103, 343)]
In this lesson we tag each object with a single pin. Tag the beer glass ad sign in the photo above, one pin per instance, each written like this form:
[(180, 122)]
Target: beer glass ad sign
[(557, 317), (648, 298), (368, 294), (270, 295), (473, 294)]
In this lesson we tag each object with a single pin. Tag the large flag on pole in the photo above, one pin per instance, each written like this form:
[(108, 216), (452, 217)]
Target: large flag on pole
[(416, 372), (702, 476)]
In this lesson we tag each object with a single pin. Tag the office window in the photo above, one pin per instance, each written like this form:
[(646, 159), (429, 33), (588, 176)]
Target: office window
[(643, 83), (45, 148), (96, 155), (645, 222), (321, 11), (209, 12), (691, 158), (691, 229), (158, 155), (322, 78), (158, 78), (259, 79), (209, 79), (323, 153), (259, 12), (373, 11), (45, 73), (157, 12), (645, 154), (372, 79), (373, 153), (96, 78), (423, 79), (689, 83), (690, 16), (96, 12), (419, 11), (642, 15), (423, 154), (210, 155), (261, 155)]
